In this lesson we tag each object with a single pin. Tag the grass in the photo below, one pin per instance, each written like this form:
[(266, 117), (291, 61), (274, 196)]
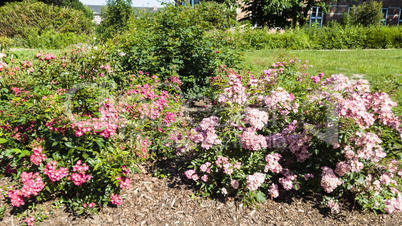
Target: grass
[(382, 68)]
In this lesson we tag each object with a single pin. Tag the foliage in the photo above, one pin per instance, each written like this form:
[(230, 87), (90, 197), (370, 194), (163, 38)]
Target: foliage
[(171, 40), (333, 36), (21, 19), (73, 124), (282, 131), (115, 17), (280, 13), (74, 4), (365, 14), (217, 15), (50, 39)]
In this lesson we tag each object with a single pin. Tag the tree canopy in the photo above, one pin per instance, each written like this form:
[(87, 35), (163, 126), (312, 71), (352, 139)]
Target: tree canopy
[(280, 13)]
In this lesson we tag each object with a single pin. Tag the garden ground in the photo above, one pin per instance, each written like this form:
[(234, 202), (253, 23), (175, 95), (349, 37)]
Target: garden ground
[(171, 201)]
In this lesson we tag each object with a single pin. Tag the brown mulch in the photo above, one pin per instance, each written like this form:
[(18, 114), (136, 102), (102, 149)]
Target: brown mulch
[(170, 201)]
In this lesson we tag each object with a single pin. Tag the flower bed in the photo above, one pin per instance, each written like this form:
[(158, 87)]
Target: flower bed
[(284, 130)]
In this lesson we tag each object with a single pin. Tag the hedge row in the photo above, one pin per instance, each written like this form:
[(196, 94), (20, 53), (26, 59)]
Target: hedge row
[(330, 37)]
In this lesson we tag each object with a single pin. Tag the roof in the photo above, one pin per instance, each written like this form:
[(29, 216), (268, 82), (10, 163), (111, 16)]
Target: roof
[(98, 8)]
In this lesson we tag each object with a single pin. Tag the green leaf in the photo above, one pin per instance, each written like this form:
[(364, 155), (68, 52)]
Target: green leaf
[(260, 196), (85, 155), (2, 140)]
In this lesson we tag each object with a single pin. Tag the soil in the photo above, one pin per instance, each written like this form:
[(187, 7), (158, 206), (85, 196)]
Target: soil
[(153, 200)]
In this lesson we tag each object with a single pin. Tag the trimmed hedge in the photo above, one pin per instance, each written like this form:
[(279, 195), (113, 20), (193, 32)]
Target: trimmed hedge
[(334, 36)]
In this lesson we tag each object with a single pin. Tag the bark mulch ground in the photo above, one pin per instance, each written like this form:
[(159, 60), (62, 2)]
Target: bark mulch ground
[(170, 201)]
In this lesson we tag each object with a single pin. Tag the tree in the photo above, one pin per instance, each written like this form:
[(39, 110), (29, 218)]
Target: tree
[(75, 4), (365, 14), (280, 13), (115, 17)]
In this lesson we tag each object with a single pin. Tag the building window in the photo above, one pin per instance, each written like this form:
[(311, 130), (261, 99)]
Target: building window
[(316, 16), (385, 12), (400, 18)]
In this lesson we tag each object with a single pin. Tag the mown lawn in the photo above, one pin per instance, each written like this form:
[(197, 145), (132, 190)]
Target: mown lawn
[(383, 68)]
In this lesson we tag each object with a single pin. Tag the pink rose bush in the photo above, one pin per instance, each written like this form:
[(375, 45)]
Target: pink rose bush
[(282, 131), (74, 125)]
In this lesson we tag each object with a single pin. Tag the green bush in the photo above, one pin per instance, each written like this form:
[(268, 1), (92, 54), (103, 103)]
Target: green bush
[(333, 36), (172, 39), (20, 19), (115, 17), (364, 14), (217, 15)]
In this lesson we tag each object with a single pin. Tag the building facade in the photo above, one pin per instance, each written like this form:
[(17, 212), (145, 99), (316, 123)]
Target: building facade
[(390, 8)]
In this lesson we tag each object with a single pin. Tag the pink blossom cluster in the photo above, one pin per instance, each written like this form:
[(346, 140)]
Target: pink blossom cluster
[(288, 139), (143, 146), (342, 168), (235, 184), (191, 174), (251, 141), (52, 173), (26, 64), (116, 199), (335, 209), (269, 76), (356, 107), (169, 117), (16, 198), (32, 185), (236, 93), (273, 190), (30, 221), (223, 162), (206, 133), (206, 167), (329, 181), (175, 79), (89, 205), (57, 125), (368, 147), (315, 79), (279, 100), (337, 82), (109, 120), (124, 182), (393, 204), (80, 177), (256, 118), (255, 181), (287, 180), (37, 156), (49, 56), (2, 65), (107, 67), (273, 163)]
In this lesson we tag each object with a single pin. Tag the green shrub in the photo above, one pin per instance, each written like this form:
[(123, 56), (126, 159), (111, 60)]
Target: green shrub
[(364, 14), (333, 36), (21, 18), (172, 40), (115, 17), (217, 15)]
